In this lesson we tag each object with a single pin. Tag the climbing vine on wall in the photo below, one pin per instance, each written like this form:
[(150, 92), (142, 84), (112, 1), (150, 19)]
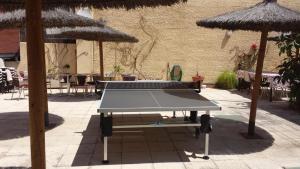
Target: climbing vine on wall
[(54, 62), (133, 56)]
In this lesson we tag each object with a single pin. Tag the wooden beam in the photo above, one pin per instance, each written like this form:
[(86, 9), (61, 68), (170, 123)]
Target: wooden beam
[(256, 85), (101, 59), (36, 82)]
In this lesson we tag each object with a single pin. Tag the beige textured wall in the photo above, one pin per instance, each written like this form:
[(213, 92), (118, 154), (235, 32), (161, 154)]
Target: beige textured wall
[(179, 40), (56, 55)]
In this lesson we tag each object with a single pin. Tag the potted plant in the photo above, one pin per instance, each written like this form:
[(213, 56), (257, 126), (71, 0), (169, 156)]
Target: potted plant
[(66, 68), (117, 71), (289, 70), (227, 80), (198, 77)]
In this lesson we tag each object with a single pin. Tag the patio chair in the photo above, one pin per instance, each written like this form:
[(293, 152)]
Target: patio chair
[(93, 83), (280, 89), (244, 81), (55, 84), (90, 83), (48, 79), (19, 86), (1, 82), (64, 81), (81, 83), (264, 87)]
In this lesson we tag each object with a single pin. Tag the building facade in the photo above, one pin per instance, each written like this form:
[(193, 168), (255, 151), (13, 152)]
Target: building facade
[(9, 45)]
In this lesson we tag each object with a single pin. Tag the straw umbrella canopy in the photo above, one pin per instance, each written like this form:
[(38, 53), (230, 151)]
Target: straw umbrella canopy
[(104, 34), (101, 34), (100, 4), (36, 62), (51, 18), (56, 17), (263, 17)]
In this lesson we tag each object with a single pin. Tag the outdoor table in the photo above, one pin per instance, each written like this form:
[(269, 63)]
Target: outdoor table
[(269, 76)]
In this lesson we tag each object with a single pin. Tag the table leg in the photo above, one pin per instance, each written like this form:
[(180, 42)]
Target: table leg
[(206, 157), (105, 158), (271, 94), (174, 114), (105, 139), (68, 84)]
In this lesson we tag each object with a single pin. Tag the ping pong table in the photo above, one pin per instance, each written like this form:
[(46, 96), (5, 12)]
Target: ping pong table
[(154, 96)]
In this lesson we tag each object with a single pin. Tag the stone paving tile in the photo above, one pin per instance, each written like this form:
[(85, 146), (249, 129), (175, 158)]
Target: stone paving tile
[(138, 166), (18, 160), (169, 165), (97, 157), (134, 147), (231, 164), (134, 138), (19, 150), (110, 166), (161, 146), (165, 157), (204, 164), (261, 164), (136, 157)]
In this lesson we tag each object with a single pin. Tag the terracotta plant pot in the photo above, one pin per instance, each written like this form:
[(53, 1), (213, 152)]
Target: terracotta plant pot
[(198, 78)]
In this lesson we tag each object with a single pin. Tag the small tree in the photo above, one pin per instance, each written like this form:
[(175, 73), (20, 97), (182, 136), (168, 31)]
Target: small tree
[(290, 67)]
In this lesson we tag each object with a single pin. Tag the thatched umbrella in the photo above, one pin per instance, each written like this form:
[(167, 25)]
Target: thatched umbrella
[(264, 17), (100, 4), (38, 104), (36, 71), (51, 18), (101, 34)]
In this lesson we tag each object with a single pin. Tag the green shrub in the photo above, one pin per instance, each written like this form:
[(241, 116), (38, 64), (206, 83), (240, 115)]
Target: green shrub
[(227, 80)]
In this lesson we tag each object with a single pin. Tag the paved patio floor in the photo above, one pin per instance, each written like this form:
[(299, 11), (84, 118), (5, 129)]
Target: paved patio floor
[(74, 140)]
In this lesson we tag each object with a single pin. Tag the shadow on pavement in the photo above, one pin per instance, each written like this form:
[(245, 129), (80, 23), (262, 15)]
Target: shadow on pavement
[(281, 109), (147, 145), (16, 124), (71, 98)]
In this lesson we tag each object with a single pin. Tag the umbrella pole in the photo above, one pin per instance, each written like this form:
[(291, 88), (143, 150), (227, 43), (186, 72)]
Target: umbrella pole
[(36, 82), (101, 59), (256, 85), (46, 109)]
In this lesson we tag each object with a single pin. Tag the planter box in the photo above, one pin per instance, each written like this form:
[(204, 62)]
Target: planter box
[(128, 77)]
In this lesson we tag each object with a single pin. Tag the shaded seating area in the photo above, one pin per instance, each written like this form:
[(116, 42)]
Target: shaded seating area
[(13, 81), (270, 87)]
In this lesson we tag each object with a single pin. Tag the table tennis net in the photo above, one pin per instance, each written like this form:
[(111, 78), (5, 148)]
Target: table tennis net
[(149, 85)]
